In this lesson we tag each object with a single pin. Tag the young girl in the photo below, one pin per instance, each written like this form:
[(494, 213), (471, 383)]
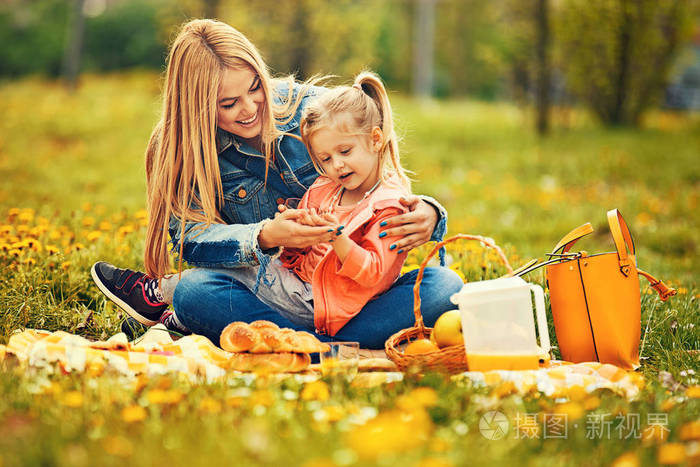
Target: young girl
[(349, 134)]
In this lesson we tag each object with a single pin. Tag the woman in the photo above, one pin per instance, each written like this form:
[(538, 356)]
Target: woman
[(223, 157)]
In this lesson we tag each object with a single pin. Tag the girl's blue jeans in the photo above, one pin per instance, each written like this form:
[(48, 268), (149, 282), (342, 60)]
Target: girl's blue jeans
[(207, 300)]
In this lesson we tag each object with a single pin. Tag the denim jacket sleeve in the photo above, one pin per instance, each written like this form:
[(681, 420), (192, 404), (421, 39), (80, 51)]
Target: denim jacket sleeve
[(441, 226), (222, 245)]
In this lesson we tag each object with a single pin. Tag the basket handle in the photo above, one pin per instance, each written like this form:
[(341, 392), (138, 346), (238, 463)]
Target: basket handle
[(416, 288)]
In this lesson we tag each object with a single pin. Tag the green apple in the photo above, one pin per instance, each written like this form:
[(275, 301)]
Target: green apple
[(448, 329)]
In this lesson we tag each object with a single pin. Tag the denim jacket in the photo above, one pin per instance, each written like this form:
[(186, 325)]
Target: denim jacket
[(249, 202)]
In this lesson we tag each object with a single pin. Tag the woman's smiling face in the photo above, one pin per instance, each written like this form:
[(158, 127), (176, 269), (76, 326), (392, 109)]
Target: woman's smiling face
[(240, 103)]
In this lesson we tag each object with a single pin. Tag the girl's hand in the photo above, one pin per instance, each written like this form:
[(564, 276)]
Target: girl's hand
[(415, 227), (285, 230)]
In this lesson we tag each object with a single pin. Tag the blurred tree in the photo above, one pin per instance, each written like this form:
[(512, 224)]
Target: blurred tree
[(543, 71), (617, 53), (423, 40), (74, 44), (32, 36)]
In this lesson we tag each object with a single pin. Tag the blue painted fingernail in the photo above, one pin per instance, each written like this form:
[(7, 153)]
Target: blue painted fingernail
[(341, 227), (400, 251), (339, 232), (392, 247), (382, 235), (382, 224), (330, 230)]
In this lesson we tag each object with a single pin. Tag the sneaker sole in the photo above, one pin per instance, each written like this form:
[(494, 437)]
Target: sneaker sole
[(122, 304)]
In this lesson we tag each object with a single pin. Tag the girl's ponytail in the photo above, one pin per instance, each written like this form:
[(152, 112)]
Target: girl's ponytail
[(370, 84)]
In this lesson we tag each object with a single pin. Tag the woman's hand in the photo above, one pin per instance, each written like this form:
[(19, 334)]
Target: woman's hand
[(415, 227), (288, 229)]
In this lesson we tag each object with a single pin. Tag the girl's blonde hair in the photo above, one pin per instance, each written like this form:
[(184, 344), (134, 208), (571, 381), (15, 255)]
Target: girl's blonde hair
[(367, 105), (182, 166)]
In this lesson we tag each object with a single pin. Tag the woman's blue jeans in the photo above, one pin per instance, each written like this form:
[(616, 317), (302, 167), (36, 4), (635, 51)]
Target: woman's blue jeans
[(207, 300)]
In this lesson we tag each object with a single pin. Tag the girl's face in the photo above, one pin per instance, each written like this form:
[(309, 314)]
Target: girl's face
[(240, 103), (348, 159)]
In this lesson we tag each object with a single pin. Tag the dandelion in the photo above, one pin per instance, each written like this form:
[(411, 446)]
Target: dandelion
[(93, 236), (160, 396), (390, 432), (315, 391), (573, 410), (628, 459), (133, 413), (690, 430), (26, 216), (671, 454), (210, 405), (72, 399), (117, 446)]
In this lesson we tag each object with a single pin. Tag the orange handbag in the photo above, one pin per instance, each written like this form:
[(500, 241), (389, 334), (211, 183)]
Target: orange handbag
[(595, 298)]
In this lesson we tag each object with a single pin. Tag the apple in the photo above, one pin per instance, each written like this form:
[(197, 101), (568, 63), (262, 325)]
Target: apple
[(448, 329)]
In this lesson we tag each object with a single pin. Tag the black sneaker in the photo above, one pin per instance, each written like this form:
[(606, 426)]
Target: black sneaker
[(169, 319), (127, 289)]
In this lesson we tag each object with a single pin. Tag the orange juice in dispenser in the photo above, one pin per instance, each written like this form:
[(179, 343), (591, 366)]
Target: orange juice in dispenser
[(498, 324)]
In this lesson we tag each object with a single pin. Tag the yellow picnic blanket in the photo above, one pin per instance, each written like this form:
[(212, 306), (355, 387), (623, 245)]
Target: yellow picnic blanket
[(196, 357)]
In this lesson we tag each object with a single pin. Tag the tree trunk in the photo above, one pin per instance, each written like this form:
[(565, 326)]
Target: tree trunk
[(423, 48), (74, 45), (543, 70), (618, 115)]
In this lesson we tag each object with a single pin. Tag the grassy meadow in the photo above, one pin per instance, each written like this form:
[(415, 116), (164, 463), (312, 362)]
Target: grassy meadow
[(73, 192)]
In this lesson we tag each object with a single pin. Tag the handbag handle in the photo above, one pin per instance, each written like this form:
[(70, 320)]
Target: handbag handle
[(572, 237), (623, 241)]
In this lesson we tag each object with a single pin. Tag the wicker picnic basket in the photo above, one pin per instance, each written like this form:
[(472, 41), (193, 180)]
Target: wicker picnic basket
[(452, 359)]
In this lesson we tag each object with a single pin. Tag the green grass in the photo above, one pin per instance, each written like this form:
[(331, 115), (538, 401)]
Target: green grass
[(72, 171)]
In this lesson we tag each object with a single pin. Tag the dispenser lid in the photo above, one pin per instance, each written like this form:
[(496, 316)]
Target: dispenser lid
[(489, 286)]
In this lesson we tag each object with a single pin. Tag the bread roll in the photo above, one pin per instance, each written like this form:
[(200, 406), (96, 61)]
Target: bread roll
[(261, 337)]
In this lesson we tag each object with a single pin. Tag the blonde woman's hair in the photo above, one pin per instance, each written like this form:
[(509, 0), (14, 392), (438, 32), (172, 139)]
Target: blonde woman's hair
[(182, 166), (364, 105)]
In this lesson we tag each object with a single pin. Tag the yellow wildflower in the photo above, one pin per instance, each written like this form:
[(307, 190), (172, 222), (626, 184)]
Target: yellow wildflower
[(671, 454), (133, 413), (15, 252), (105, 225), (87, 206), (434, 462), (262, 397), (93, 236), (52, 249), (390, 432), (690, 430), (315, 390), (333, 413), (210, 405), (88, 221), (141, 214), (5, 247), (573, 410), (628, 459), (65, 265), (165, 397), (73, 399), (693, 392), (117, 446)]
